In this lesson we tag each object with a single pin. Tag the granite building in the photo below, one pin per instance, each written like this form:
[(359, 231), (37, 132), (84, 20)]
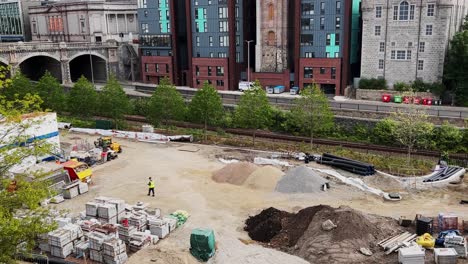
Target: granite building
[(406, 40)]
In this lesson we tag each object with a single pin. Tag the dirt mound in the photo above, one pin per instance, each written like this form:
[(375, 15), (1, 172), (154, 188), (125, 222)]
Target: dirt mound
[(266, 225), (264, 178), (234, 173), (301, 234), (301, 180)]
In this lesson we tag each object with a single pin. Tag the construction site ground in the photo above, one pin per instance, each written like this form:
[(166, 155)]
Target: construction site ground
[(182, 173)]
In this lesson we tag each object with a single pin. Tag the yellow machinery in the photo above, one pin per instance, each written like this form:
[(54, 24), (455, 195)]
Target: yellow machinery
[(106, 142)]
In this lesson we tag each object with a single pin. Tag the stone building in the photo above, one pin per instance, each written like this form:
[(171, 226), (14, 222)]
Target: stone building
[(84, 21), (405, 40)]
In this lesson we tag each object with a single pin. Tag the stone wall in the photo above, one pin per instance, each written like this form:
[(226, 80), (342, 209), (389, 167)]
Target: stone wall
[(376, 95)]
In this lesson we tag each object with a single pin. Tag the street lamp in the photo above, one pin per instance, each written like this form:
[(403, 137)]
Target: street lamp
[(248, 59)]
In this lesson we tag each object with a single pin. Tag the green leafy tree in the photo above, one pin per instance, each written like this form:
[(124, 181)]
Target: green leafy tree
[(206, 107), (21, 217), (448, 138), (48, 87), (83, 99), (113, 102), (19, 86), (254, 110), (312, 112), (383, 132), (166, 104), (412, 129), (457, 66)]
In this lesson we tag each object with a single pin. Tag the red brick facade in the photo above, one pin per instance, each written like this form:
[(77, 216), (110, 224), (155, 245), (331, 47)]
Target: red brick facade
[(155, 68), (272, 78), (214, 70), (321, 72)]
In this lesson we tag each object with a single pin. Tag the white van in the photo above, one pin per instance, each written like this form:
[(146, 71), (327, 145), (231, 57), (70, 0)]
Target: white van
[(244, 86)]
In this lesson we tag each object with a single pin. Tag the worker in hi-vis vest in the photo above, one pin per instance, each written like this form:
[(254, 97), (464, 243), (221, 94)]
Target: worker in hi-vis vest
[(151, 186)]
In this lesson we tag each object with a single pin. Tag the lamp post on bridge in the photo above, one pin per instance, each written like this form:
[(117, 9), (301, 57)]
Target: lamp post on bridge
[(248, 59)]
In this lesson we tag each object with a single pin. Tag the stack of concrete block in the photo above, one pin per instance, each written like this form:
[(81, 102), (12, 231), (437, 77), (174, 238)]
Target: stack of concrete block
[(62, 252), (158, 227), (107, 213), (458, 243), (171, 221), (63, 221), (95, 255), (125, 232), (139, 240), (75, 231), (43, 241), (82, 187), (114, 251), (92, 209), (60, 238), (140, 206), (96, 241), (81, 248), (138, 220), (70, 192), (119, 206)]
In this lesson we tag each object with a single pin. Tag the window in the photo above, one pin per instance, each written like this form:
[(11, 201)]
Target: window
[(322, 70), (156, 66), (393, 56), (307, 9), (395, 13), (308, 72), (83, 25), (408, 54), (209, 71), (310, 54), (219, 71), (322, 23), (378, 11), (210, 39), (237, 40), (307, 23), (198, 54), (337, 54), (146, 67), (142, 4), (381, 64), (34, 26), (328, 40), (322, 8), (337, 39), (211, 55), (222, 12), (237, 12), (411, 14), (377, 30), (338, 7), (222, 55), (382, 47), (410, 44), (333, 73), (167, 68), (338, 22), (238, 57), (144, 28), (327, 54), (197, 39), (219, 82), (198, 82), (420, 65), (223, 41), (404, 11), (271, 38), (428, 30), (223, 26), (210, 81), (271, 12), (401, 54), (430, 9), (422, 46)]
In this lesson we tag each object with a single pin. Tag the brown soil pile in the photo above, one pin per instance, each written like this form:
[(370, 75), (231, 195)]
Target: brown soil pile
[(301, 234), (264, 178), (234, 173)]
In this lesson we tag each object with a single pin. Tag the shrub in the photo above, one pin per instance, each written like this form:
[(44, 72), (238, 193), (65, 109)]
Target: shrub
[(401, 87), (383, 132), (373, 84)]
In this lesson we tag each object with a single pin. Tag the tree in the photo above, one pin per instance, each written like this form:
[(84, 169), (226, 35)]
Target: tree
[(412, 129), (21, 217), (457, 66), (166, 103), (206, 107), (113, 102), (82, 99), (312, 112), (18, 87), (49, 87), (254, 110), (448, 138)]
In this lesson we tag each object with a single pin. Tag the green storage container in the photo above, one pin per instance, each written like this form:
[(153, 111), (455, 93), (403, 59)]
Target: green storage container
[(103, 124), (397, 99), (202, 243)]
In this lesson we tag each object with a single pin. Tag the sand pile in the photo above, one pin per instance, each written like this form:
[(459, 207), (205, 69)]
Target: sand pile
[(302, 235), (301, 180), (234, 173), (264, 178)]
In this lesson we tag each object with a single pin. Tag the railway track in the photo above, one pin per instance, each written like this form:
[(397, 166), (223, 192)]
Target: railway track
[(461, 157)]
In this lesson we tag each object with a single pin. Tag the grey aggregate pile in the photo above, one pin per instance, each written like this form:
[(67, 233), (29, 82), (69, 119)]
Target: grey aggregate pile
[(301, 180)]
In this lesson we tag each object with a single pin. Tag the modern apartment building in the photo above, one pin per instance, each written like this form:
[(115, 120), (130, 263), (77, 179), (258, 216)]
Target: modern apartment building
[(11, 21), (406, 40), (84, 21)]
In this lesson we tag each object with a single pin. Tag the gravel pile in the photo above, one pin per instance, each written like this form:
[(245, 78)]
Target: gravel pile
[(301, 180), (234, 173)]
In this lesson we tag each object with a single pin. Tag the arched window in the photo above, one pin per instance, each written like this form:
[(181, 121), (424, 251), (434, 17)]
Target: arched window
[(271, 38), (404, 11), (271, 12)]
